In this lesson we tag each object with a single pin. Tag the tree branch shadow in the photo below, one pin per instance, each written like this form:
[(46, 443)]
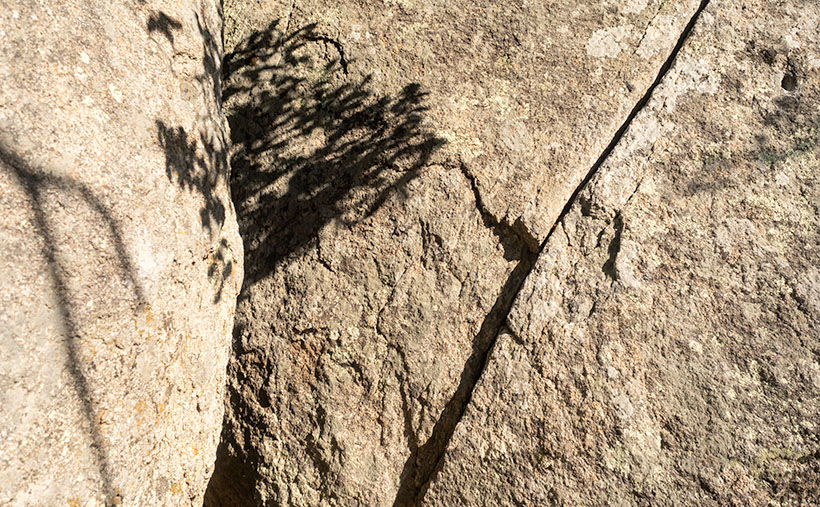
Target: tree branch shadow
[(310, 146), (309, 151), (35, 183)]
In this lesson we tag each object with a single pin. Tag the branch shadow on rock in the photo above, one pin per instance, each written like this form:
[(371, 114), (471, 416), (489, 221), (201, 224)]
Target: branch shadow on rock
[(37, 184), (311, 146), (198, 163)]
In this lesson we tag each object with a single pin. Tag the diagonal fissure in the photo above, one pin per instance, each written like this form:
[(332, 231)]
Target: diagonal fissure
[(422, 466), (423, 461)]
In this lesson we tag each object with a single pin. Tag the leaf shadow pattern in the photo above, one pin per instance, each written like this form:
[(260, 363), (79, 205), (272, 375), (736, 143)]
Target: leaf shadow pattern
[(198, 163), (308, 150), (195, 170), (310, 145), (164, 24), (36, 183)]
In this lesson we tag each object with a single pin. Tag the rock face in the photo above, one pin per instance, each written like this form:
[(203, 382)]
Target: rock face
[(666, 346), (527, 95), (516, 254), (121, 259), (395, 168)]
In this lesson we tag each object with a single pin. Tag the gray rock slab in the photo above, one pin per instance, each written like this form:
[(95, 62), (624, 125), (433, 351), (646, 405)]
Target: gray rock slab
[(395, 166)]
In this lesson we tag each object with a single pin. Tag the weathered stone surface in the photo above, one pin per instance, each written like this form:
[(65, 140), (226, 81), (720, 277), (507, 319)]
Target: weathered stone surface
[(380, 263), (665, 348), (527, 94), (359, 283), (121, 258)]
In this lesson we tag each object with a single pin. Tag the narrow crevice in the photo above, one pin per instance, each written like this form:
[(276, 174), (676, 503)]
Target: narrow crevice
[(290, 15), (614, 248), (646, 30), (518, 230), (424, 459), (421, 467), (635, 110)]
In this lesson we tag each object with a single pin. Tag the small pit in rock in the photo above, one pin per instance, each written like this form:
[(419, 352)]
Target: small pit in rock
[(789, 82)]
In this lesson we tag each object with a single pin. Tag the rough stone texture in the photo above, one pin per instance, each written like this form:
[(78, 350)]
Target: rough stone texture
[(121, 259), (381, 262), (355, 252), (665, 349), (527, 94)]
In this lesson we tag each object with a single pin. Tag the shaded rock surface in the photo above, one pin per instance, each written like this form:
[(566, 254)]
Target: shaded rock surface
[(665, 348), (121, 258), (524, 253), (526, 94), (395, 167)]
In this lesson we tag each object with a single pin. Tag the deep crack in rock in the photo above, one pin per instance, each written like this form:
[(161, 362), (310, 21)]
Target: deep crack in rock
[(415, 480), (517, 229)]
